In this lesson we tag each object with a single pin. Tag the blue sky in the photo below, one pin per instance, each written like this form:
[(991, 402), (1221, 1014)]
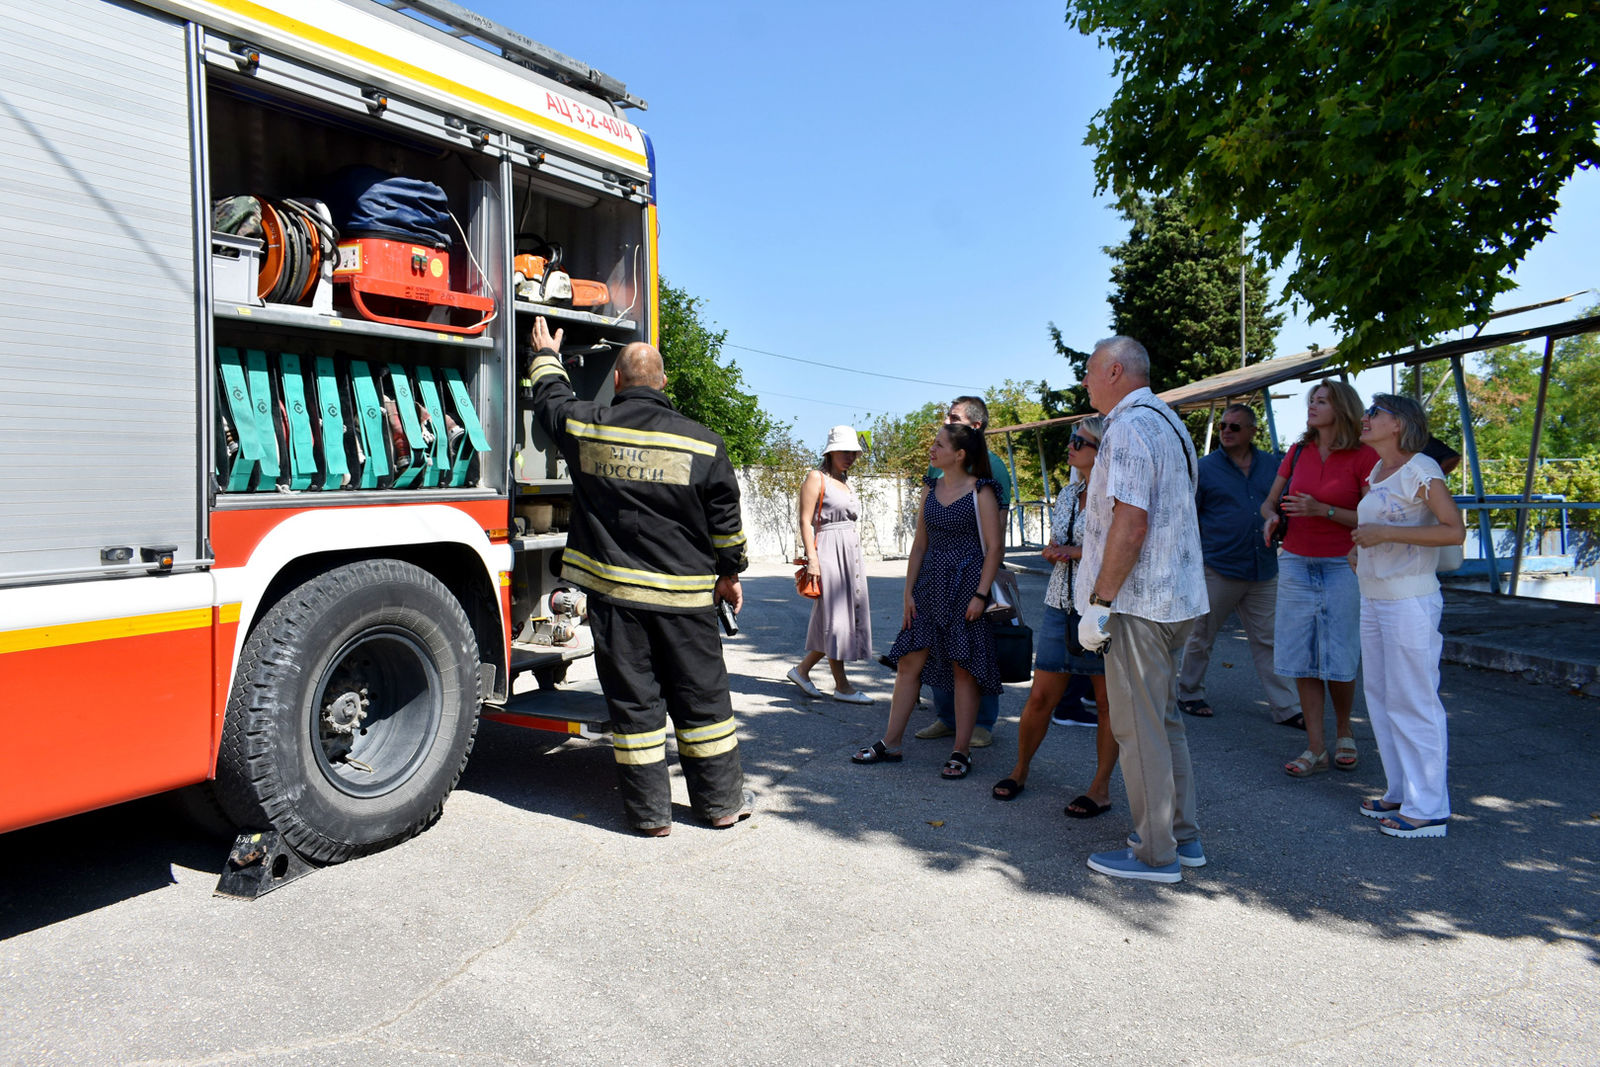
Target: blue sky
[(896, 188)]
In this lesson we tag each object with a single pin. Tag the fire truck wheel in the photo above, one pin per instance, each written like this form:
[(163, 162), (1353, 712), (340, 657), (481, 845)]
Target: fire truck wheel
[(353, 711)]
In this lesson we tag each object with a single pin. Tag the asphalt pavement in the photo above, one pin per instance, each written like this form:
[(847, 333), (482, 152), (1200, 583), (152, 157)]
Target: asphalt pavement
[(864, 915)]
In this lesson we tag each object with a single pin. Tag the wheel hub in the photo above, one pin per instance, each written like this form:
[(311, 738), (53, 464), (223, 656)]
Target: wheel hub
[(344, 712)]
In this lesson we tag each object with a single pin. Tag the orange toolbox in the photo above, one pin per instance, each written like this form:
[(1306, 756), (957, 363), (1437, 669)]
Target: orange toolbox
[(406, 284)]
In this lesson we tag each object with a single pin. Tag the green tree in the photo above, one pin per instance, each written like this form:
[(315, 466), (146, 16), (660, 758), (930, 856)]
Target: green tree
[(1407, 156), (1504, 398), (705, 388), (899, 443), (1010, 404), (1175, 288)]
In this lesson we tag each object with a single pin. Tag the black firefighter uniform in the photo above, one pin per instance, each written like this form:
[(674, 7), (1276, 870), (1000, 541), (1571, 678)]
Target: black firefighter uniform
[(655, 523)]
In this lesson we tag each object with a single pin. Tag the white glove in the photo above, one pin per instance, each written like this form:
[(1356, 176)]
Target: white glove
[(1092, 634)]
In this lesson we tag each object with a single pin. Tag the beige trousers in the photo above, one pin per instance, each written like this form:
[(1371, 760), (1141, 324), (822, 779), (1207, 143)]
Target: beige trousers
[(1257, 604), (1141, 684)]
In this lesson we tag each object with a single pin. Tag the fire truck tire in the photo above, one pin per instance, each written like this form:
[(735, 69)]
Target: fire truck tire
[(353, 711)]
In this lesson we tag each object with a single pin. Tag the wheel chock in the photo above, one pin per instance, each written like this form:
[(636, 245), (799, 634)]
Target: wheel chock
[(260, 862)]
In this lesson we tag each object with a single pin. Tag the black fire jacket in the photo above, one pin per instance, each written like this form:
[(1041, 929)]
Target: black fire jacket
[(655, 517)]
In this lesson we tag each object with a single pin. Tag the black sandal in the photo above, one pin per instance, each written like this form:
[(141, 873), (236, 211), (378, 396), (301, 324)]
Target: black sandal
[(1012, 789), (877, 752), (1084, 807), (956, 766)]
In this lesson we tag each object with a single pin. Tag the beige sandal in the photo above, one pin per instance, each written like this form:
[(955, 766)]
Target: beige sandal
[(1306, 764), (1345, 755)]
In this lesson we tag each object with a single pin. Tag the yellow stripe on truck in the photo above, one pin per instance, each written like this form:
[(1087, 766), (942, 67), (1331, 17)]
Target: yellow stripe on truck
[(308, 32), (83, 633)]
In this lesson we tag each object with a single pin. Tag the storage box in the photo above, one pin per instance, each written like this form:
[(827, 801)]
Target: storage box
[(235, 265)]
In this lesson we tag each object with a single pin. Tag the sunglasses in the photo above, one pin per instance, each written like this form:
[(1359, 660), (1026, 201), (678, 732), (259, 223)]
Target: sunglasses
[(1237, 427), (1374, 409), (1083, 442)]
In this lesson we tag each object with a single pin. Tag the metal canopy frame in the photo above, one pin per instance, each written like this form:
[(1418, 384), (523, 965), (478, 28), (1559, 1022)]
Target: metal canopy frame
[(1244, 382)]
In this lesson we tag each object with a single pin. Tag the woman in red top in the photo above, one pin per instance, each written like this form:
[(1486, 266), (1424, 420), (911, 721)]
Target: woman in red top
[(1317, 631)]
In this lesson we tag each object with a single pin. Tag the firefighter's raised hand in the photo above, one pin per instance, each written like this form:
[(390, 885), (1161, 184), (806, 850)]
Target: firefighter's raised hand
[(542, 338)]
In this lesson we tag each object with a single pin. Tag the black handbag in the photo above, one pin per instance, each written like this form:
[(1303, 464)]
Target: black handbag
[(1074, 646), (1282, 529), (1013, 650)]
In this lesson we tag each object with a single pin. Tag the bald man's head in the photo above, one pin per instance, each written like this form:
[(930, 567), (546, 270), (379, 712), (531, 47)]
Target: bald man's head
[(640, 364)]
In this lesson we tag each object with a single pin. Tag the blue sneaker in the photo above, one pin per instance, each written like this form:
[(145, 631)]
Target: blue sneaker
[(1124, 864), (1190, 854)]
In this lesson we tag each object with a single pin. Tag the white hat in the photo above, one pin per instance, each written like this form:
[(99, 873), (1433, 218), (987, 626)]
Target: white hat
[(841, 439)]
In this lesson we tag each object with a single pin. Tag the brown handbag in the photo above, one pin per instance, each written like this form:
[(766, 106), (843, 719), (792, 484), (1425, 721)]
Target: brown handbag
[(807, 584)]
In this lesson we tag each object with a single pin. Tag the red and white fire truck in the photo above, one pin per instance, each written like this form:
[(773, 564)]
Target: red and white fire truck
[(271, 517)]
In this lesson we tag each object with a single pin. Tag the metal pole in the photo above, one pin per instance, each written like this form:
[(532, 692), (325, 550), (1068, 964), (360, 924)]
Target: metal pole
[(1242, 265), (1469, 444), (1211, 421), (1533, 458), (1011, 461), (1044, 470), (1272, 423)]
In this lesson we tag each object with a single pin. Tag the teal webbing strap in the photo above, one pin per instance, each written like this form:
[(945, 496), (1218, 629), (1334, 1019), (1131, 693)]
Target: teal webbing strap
[(236, 394), (439, 454), (335, 467), (468, 417), (302, 446), (369, 410), (255, 361), (407, 403)]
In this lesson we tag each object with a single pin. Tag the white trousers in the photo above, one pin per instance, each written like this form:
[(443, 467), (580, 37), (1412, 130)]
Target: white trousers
[(1400, 646)]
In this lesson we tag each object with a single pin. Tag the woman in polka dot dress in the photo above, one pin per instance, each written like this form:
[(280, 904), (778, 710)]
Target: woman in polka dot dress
[(945, 641)]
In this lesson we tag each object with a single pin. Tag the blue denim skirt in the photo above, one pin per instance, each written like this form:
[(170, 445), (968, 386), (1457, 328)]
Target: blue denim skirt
[(1317, 632), (1050, 648)]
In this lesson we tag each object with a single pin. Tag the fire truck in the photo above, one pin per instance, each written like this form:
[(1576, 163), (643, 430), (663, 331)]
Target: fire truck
[(272, 520)]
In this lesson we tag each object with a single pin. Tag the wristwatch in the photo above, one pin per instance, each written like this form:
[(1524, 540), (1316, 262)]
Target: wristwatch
[(1331, 510), (1097, 600)]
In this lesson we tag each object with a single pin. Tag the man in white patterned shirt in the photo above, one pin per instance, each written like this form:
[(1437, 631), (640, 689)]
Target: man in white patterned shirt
[(1141, 585)]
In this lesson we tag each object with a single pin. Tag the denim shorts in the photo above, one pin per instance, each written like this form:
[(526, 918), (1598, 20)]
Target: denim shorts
[(1050, 648), (1317, 631)]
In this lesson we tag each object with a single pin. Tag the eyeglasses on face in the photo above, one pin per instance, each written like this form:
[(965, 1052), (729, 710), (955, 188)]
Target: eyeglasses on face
[(1238, 427), (1083, 442), (1374, 409)]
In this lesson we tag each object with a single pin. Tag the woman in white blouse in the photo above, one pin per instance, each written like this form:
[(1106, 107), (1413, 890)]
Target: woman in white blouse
[(1405, 516)]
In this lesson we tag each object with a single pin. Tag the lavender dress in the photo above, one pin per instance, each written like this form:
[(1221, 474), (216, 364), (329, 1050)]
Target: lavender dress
[(841, 618)]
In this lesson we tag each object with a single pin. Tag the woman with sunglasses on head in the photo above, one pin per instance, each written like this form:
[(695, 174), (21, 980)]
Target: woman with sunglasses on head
[(1055, 663), (841, 618), (1406, 515), (945, 640), (1317, 629)]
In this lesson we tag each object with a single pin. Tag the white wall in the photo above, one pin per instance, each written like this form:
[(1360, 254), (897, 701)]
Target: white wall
[(888, 520), (772, 520)]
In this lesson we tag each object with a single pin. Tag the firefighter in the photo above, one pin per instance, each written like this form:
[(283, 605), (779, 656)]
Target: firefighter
[(656, 541)]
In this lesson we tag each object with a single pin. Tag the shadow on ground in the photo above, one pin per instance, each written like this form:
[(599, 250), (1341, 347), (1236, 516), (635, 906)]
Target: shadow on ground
[(1520, 861)]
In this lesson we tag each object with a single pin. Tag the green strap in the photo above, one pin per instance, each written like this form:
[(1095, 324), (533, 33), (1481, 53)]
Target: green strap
[(236, 393), (255, 361), (468, 417), (335, 465), (410, 424), (369, 412), (302, 445), (439, 454)]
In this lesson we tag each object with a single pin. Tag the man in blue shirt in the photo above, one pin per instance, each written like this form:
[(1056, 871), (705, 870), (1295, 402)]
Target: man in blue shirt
[(971, 411), (1241, 571)]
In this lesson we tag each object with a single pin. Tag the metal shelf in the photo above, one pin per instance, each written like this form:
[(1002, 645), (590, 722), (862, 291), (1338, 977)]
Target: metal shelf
[(585, 318), (300, 318)]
